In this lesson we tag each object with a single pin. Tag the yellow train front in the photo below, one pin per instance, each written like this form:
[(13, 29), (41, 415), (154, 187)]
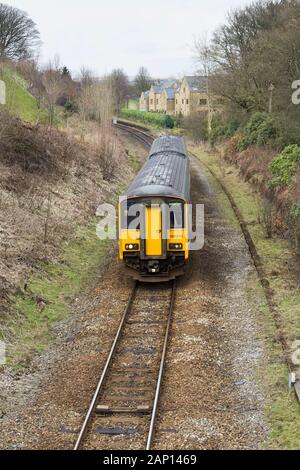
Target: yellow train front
[(153, 215)]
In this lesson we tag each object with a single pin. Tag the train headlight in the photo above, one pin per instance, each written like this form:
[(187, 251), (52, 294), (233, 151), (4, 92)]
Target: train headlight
[(132, 247), (176, 246)]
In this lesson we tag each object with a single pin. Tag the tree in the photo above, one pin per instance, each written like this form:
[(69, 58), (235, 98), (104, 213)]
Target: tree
[(206, 70), (120, 87), (53, 86), (142, 81), (19, 36)]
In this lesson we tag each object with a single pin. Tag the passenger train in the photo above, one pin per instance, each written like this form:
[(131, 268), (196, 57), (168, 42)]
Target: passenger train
[(153, 214)]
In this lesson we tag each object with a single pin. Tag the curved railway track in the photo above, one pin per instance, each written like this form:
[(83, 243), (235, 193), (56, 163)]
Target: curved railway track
[(124, 406), (274, 309), (138, 133)]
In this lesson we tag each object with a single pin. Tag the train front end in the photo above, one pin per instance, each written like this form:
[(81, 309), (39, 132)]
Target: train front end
[(153, 215)]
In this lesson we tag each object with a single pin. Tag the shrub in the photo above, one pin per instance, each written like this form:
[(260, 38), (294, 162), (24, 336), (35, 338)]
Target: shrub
[(156, 119), (196, 126), (260, 130), (295, 213), (222, 127), (284, 167)]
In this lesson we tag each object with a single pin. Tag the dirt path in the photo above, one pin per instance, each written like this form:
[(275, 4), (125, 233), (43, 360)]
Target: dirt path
[(212, 397)]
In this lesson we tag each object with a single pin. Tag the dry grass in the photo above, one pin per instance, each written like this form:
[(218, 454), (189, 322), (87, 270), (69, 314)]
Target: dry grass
[(50, 183)]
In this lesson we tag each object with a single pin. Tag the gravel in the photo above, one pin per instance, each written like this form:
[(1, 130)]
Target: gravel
[(212, 395)]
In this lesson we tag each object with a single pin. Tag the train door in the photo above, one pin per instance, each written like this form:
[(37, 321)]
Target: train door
[(154, 245)]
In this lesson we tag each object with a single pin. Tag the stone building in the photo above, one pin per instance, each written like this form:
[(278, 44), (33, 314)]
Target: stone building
[(192, 96), (172, 97), (158, 103), (168, 100)]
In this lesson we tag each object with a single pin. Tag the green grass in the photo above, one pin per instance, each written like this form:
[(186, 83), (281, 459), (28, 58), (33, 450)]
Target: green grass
[(57, 284), (19, 101), (159, 120), (133, 104), (278, 258), (135, 162)]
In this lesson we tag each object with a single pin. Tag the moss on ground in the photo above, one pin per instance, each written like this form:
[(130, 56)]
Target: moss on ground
[(280, 264)]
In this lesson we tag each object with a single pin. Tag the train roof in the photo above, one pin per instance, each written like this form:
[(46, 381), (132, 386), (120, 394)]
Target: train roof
[(166, 172)]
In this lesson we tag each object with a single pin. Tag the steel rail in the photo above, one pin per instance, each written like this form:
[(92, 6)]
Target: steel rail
[(104, 373), (161, 370), (138, 134)]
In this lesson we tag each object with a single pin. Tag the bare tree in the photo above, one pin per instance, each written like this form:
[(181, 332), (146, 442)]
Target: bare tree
[(142, 81), (120, 86), (206, 70), (19, 36), (104, 100), (85, 100), (53, 86), (29, 69)]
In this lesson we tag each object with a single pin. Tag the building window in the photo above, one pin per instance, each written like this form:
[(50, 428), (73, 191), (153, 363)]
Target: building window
[(187, 101), (203, 102), (156, 101), (182, 101), (184, 90), (151, 101), (176, 101)]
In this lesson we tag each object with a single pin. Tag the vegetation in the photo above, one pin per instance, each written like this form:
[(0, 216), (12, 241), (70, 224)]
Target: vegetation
[(295, 213), (223, 128), (260, 130), (19, 36), (281, 267), (252, 63), (285, 166), (48, 299), (18, 99), (156, 119), (142, 81)]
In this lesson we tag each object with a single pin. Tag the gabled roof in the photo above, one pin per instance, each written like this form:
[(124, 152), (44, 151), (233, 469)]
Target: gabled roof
[(164, 84), (156, 89), (196, 83), (170, 92)]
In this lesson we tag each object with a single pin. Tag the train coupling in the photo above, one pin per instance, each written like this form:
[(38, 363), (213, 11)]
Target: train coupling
[(153, 267)]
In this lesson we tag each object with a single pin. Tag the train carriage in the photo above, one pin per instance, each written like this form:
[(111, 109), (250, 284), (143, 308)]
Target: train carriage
[(153, 214)]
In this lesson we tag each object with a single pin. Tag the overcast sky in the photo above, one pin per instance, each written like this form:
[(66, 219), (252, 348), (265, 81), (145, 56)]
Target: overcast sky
[(107, 34)]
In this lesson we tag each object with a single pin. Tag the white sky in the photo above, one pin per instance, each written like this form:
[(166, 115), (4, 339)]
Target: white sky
[(107, 34)]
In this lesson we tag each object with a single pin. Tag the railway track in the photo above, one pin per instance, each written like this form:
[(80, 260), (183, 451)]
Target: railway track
[(138, 133), (295, 379), (123, 411)]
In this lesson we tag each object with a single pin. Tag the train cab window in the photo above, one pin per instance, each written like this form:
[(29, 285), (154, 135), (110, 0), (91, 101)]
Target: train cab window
[(176, 210), (131, 215)]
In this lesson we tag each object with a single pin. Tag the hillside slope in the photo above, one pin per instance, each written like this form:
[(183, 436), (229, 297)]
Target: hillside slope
[(18, 100)]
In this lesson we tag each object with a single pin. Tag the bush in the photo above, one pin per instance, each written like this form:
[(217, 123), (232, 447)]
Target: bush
[(295, 213), (156, 119), (222, 127), (260, 130), (196, 126), (71, 107), (284, 167)]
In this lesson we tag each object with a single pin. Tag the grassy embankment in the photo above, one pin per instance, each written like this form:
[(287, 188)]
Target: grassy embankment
[(278, 259), (58, 284), (19, 101)]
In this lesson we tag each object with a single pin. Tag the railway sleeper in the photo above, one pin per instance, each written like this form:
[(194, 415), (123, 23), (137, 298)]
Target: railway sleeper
[(107, 410)]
